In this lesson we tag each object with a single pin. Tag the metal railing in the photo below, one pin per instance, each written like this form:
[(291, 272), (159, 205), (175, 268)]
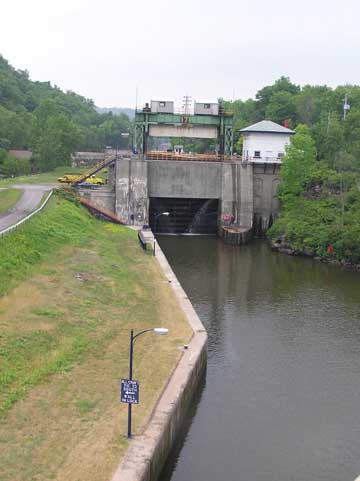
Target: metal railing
[(263, 160), (18, 224), (158, 155), (155, 155)]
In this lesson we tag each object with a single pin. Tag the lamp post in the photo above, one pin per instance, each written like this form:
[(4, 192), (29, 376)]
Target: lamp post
[(158, 330), (156, 218)]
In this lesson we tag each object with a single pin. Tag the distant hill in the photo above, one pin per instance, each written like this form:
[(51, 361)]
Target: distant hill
[(117, 110), (40, 117)]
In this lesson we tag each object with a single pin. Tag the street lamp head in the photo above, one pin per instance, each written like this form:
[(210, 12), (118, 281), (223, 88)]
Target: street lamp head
[(161, 330), (161, 213)]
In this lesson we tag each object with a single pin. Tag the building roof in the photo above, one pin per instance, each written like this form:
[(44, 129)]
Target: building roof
[(161, 100), (206, 101), (21, 154), (267, 126)]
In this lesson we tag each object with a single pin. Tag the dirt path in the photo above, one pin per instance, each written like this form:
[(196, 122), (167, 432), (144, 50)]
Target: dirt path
[(28, 202)]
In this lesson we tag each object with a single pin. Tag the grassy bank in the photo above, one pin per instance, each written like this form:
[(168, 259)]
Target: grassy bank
[(44, 177), (8, 198), (71, 289)]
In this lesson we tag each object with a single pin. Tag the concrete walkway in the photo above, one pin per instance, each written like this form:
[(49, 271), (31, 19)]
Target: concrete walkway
[(28, 202)]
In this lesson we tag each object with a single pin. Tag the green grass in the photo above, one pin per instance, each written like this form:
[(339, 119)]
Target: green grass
[(43, 178), (8, 198), (71, 288), (47, 177), (64, 223)]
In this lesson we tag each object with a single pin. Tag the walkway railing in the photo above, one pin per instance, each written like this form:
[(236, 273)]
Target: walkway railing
[(263, 160), (25, 219), (154, 155)]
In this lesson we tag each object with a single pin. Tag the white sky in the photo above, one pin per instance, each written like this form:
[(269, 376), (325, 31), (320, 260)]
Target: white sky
[(204, 48)]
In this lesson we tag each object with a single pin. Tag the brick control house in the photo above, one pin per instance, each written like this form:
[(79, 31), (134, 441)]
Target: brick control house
[(265, 142)]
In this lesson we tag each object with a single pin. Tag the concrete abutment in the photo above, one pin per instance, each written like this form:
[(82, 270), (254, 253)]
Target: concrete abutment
[(246, 192)]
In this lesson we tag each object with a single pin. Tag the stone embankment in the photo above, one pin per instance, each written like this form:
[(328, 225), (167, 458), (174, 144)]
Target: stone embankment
[(283, 246), (147, 453)]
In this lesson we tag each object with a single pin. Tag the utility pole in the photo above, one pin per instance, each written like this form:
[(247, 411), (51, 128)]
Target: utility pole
[(346, 106), (186, 104)]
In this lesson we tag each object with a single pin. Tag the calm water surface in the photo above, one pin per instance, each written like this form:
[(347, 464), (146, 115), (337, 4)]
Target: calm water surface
[(281, 401)]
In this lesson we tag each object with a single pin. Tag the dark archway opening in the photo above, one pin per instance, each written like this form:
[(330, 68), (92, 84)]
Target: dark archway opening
[(186, 216)]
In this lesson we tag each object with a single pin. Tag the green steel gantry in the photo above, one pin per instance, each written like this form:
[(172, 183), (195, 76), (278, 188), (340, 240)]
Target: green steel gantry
[(223, 122)]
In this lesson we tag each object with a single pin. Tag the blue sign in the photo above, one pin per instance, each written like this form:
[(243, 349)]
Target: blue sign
[(129, 391)]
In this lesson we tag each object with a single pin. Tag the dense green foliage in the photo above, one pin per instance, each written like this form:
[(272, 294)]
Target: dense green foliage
[(321, 172), (321, 205), (319, 107), (51, 123)]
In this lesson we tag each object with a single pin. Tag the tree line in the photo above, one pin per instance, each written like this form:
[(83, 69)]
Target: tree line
[(319, 107), (320, 188), (320, 213), (52, 123)]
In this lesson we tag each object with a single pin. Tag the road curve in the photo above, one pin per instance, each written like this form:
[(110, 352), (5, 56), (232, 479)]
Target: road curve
[(28, 202)]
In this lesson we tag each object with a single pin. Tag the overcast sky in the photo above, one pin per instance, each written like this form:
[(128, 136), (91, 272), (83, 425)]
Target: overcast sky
[(168, 48)]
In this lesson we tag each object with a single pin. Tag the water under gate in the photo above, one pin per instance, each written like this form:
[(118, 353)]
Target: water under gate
[(185, 216)]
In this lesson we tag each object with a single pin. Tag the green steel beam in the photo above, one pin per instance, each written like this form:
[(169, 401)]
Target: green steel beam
[(177, 119), (224, 124)]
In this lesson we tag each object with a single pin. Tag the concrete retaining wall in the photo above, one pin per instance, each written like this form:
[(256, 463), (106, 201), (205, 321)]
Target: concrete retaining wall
[(266, 203), (186, 179), (101, 197), (132, 190), (147, 454)]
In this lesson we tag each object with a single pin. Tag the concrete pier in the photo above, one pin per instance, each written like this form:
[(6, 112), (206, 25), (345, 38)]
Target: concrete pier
[(236, 235)]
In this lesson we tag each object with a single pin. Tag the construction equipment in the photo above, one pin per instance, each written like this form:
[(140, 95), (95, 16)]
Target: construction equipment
[(93, 170), (71, 178)]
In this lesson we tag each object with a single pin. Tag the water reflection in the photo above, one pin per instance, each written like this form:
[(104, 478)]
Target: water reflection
[(282, 400)]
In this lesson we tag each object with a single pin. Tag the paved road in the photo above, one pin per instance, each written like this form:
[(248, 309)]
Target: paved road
[(28, 202)]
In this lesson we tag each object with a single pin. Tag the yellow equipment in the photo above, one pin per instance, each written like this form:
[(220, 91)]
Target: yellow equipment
[(72, 178)]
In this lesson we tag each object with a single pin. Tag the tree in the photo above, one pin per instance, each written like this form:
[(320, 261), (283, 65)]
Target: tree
[(264, 95), (298, 165), (281, 107), (55, 137), (329, 137)]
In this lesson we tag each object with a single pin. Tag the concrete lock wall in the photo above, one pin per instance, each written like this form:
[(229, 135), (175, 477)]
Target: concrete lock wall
[(102, 197), (147, 453), (195, 180), (266, 202), (237, 192), (131, 188), (243, 189)]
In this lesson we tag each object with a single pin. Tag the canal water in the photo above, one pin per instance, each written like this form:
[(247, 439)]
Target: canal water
[(281, 400)]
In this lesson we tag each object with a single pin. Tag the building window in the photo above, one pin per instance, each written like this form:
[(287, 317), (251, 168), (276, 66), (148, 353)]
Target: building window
[(257, 154), (207, 106), (280, 155), (162, 104)]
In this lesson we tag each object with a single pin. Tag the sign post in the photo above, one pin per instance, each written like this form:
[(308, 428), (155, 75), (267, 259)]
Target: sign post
[(129, 390)]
